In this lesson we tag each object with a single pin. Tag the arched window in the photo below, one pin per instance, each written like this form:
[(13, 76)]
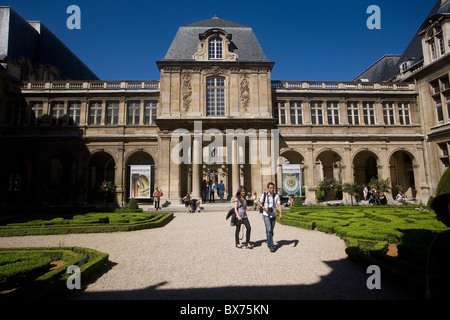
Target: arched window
[(215, 96), (215, 48)]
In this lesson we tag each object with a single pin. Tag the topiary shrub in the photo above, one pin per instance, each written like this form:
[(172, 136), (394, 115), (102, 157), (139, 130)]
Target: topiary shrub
[(298, 202), (444, 184), (133, 205)]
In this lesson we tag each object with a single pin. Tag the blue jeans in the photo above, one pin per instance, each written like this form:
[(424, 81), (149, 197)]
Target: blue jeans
[(270, 224)]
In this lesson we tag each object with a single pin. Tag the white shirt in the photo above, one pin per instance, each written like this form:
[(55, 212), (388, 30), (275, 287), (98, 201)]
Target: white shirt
[(270, 202)]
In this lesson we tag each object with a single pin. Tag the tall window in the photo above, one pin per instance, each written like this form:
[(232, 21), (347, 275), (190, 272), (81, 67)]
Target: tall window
[(95, 113), (134, 110), (435, 40), (74, 113), (296, 112), (57, 113), (316, 112), (403, 113), (439, 113), (353, 113), (282, 112), (441, 95), (215, 48), (112, 112), (36, 113), (388, 113), (150, 112), (333, 112), (369, 113), (215, 96), (18, 111)]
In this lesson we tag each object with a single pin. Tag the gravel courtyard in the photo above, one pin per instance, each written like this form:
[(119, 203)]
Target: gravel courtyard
[(194, 257)]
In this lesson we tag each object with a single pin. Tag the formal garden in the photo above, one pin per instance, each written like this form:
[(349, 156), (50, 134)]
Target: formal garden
[(394, 237), (41, 272)]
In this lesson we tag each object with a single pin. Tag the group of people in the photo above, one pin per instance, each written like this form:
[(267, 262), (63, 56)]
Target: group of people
[(209, 188), (268, 204)]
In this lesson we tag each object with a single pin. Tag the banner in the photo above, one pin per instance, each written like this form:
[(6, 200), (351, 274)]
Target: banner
[(292, 180), (140, 178)]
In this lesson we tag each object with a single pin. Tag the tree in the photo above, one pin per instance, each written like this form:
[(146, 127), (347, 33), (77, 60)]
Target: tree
[(326, 185), (352, 189), (380, 185)]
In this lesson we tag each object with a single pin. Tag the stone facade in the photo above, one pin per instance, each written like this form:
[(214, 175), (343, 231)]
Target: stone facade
[(61, 139)]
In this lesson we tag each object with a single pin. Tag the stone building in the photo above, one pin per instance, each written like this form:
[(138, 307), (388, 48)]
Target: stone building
[(216, 114)]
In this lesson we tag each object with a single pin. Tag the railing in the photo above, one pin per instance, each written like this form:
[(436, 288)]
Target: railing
[(360, 86), (90, 85)]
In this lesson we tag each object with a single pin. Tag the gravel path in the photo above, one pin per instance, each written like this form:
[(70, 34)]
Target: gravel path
[(194, 257)]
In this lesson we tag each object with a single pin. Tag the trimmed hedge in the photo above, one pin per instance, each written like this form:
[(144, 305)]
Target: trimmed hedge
[(19, 270), (444, 183), (87, 223), (368, 231)]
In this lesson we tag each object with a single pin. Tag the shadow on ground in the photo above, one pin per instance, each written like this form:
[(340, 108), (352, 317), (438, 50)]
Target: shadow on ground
[(339, 284)]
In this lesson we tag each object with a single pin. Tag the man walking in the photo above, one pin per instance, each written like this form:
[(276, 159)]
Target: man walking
[(268, 203)]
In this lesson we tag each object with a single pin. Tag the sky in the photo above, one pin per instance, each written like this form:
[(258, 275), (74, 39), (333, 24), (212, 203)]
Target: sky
[(308, 40)]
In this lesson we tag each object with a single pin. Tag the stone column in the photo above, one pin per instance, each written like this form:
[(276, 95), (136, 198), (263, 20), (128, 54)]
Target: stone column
[(196, 167)]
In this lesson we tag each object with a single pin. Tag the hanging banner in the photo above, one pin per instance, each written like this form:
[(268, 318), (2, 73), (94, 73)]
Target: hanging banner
[(140, 177), (292, 180)]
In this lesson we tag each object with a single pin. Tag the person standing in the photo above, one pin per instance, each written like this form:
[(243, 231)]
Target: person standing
[(157, 194), (268, 204), (211, 191), (221, 190), (240, 209)]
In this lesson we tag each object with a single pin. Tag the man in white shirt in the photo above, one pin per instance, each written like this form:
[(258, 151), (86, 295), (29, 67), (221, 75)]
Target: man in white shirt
[(269, 202)]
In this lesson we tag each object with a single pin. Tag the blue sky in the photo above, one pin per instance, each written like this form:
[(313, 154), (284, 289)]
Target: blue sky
[(308, 40)]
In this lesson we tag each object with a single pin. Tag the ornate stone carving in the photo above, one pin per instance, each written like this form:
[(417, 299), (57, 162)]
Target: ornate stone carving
[(186, 90), (244, 91)]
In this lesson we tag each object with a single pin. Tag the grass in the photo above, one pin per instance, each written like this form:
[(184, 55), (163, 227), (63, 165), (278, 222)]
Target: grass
[(369, 230), (83, 223)]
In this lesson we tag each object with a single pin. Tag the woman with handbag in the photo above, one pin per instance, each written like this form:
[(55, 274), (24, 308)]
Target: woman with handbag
[(240, 209)]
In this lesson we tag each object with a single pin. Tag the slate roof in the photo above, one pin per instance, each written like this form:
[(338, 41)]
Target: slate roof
[(383, 70), (244, 42)]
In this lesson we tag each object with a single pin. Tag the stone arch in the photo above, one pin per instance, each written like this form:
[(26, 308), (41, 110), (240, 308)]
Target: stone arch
[(365, 166), (328, 163), (290, 156), (401, 168), (139, 157), (101, 167)]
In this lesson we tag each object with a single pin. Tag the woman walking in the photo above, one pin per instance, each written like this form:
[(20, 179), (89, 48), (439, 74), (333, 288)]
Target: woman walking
[(240, 209)]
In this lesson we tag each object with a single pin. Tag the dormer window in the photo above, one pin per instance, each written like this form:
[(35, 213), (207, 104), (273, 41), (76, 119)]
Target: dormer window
[(405, 66), (215, 45), (435, 40), (215, 48)]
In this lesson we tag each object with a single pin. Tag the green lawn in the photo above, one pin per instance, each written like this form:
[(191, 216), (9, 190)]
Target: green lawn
[(368, 231)]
